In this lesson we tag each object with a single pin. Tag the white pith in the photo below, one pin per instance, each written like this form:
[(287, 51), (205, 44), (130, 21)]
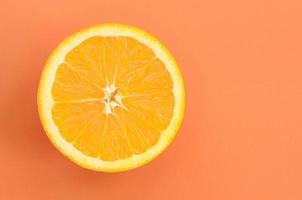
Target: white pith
[(110, 104)]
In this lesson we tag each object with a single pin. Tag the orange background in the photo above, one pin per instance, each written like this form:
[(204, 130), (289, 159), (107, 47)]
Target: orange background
[(242, 133)]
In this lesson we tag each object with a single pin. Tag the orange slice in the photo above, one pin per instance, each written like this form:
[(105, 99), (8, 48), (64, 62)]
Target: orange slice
[(111, 98)]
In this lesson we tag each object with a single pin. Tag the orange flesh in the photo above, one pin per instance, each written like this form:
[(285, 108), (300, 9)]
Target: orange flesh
[(142, 95)]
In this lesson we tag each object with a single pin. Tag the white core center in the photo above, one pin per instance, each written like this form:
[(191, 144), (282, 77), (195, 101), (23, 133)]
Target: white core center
[(111, 99)]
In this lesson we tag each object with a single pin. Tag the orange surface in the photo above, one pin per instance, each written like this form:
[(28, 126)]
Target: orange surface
[(241, 136), (135, 71)]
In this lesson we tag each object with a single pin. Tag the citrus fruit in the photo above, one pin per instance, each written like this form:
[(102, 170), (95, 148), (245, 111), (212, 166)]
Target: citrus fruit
[(111, 97)]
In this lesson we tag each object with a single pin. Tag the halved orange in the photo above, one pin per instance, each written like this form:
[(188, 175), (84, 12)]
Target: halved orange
[(111, 97)]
